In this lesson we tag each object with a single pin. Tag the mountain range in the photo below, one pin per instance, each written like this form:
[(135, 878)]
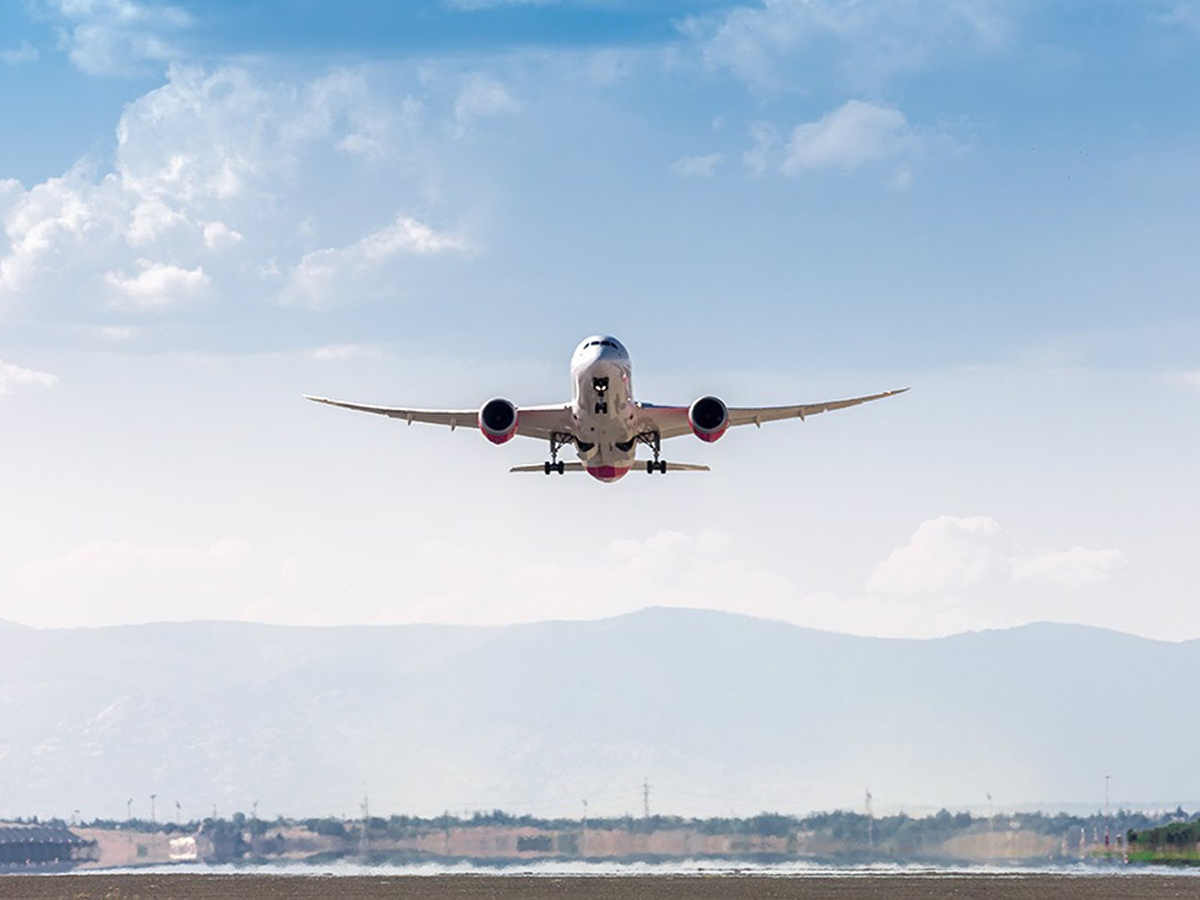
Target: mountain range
[(718, 713)]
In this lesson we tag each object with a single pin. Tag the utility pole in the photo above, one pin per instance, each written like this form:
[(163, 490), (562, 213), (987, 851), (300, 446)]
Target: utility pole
[(870, 824), (129, 810), (646, 798), (178, 813), (152, 796), (583, 837), (991, 824), (364, 842), (1106, 814)]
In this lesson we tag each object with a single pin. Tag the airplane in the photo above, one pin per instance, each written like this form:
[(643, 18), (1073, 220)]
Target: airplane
[(603, 422)]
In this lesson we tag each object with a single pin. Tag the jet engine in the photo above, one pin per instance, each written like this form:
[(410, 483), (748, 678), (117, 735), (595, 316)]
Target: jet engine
[(498, 420), (709, 418)]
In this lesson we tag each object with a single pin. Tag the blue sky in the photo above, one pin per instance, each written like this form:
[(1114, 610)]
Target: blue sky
[(212, 208)]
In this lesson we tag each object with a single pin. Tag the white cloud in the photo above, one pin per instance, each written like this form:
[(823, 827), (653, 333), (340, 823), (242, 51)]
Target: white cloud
[(25, 52), (698, 166), (327, 277), (706, 569), (950, 554), (945, 554), (778, 44), (1077, 567), (853, 134), (115, 559), (335, 352), (760, 157), (482, 96), (119, 37), (212, 172), (219, 236), (39, 224), (13, 377), (157, 285)]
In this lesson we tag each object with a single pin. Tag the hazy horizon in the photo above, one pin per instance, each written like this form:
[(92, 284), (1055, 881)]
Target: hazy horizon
[(554, 621)]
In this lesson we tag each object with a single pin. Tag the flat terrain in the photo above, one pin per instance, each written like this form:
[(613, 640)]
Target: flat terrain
[(666, 887)]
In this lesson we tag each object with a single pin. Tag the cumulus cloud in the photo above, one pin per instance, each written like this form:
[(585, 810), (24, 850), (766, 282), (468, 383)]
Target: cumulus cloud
[(778, 44), (207, 184), (853, 134), (482, 96), (324, 278), (23, 53), (14, 377), (698, 166), (953, 554), (219, 236), (156, 286), (119, 37)]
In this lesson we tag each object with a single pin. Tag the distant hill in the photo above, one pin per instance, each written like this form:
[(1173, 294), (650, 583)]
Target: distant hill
[(723, 713)]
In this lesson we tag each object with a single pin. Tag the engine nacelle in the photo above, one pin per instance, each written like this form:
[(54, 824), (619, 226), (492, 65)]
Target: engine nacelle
[(709, 418), (498, 420)]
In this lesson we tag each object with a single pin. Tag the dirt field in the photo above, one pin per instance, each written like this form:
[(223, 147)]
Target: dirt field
[(666, 887)]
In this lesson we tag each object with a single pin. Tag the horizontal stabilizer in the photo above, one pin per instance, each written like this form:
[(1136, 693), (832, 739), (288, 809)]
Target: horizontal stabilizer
[(541, 467), (578, 467)]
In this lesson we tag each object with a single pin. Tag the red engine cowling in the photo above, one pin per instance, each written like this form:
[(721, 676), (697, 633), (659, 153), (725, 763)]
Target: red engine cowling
[(498, 421), (709, 419)]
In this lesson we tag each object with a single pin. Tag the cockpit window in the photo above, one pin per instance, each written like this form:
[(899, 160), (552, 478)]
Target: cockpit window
[(604, 343)]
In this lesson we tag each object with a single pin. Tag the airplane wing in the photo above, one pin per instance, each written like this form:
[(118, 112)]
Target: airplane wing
[(672, 421), (532, 421)]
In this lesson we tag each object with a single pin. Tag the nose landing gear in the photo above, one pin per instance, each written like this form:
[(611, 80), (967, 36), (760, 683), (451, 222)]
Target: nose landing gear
[(600, 386)]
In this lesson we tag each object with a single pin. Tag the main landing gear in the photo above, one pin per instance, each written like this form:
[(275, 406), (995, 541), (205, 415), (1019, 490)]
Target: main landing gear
[(558, 440), (654, 441)]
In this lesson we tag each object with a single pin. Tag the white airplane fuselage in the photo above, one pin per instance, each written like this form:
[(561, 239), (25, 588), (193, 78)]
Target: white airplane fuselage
[(606, 416)]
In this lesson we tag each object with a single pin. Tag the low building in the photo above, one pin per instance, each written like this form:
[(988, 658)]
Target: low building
[(31, 846)]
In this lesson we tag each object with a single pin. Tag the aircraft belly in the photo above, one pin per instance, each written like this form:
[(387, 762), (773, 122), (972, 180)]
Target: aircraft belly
[(604, 416)]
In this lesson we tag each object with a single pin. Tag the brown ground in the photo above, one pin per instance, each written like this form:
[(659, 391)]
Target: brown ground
[(662, 887)]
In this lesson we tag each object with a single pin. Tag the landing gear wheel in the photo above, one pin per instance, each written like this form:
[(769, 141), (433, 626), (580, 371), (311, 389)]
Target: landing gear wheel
[(560, 467), (546, 467)]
